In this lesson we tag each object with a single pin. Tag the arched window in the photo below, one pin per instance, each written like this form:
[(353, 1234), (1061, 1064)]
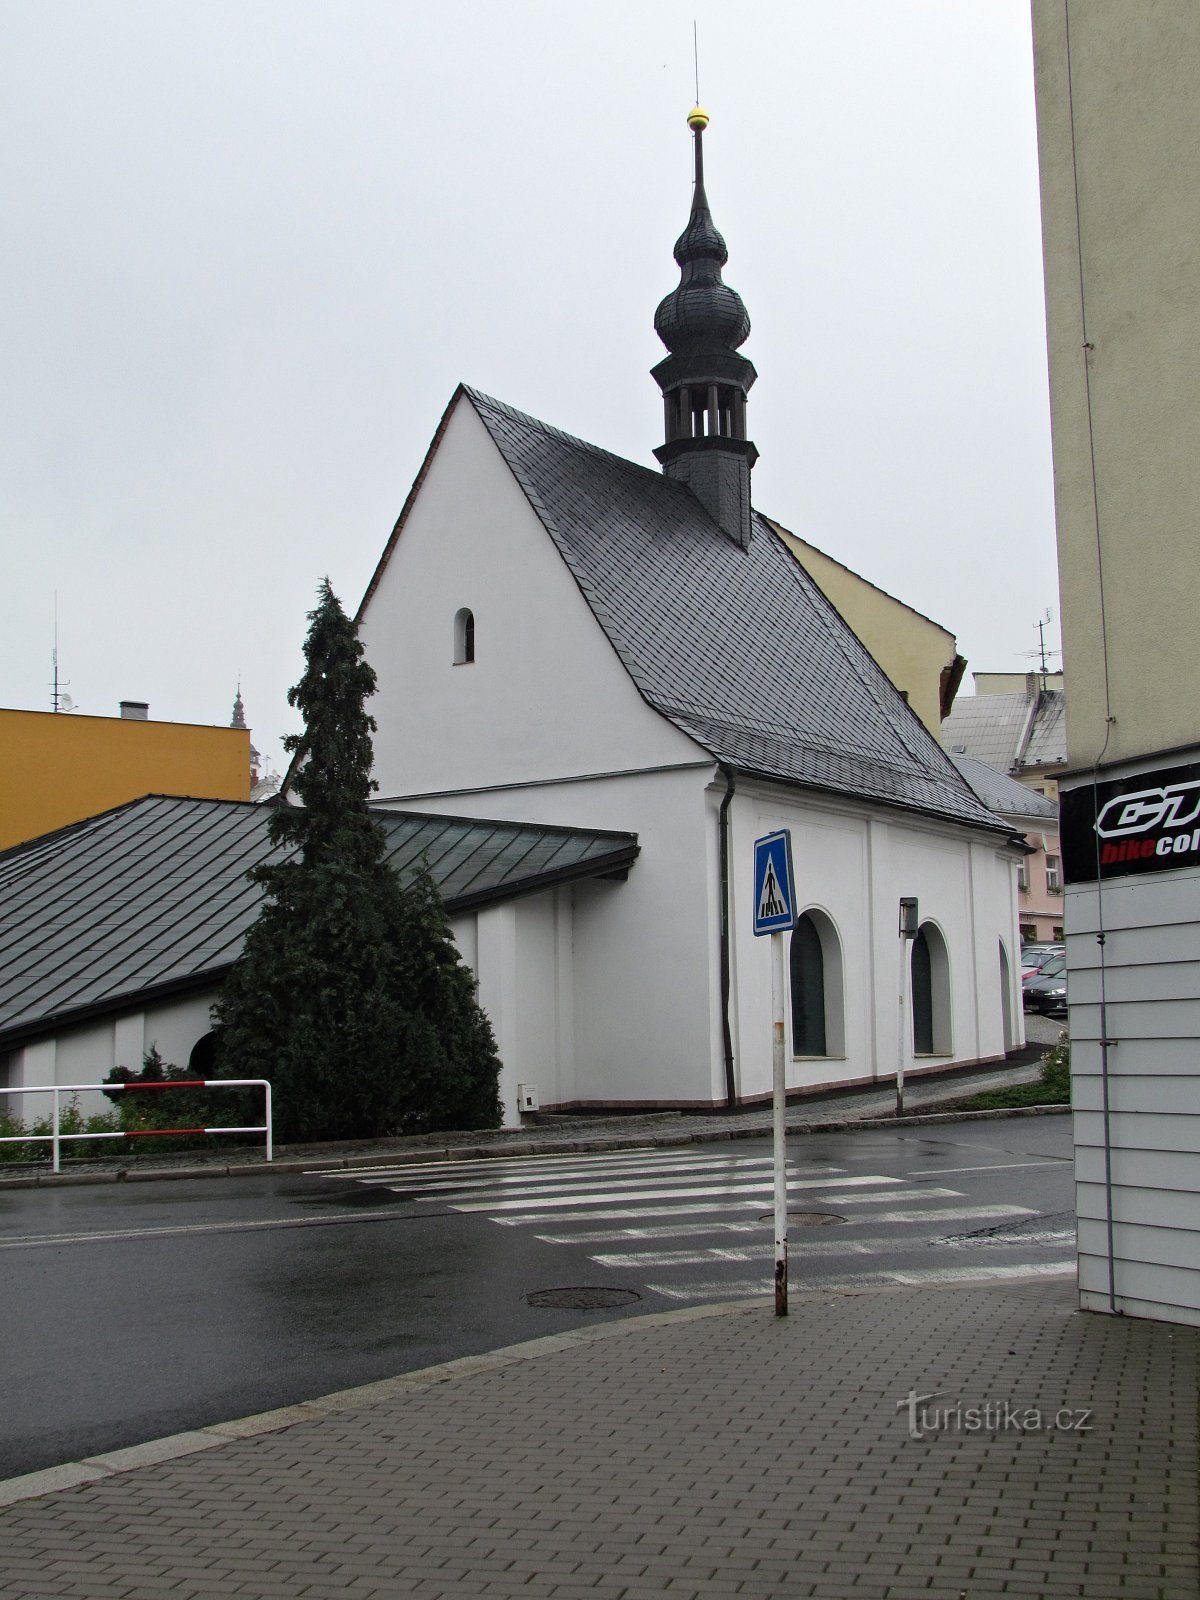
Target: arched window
[(818, 1027), (464, 637), (202, 1061), (930, 993)]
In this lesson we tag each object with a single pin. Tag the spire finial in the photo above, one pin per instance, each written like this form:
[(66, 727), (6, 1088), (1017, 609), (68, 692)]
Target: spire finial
[(704, 380), (697, 121)]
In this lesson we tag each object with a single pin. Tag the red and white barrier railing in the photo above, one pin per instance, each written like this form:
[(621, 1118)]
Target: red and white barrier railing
[(57, 1090)]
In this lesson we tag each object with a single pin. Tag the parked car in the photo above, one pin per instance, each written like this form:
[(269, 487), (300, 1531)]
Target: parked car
[(1045, 991), (1035, 956)]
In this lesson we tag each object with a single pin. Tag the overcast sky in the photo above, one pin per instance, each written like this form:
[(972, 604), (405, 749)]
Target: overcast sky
[(250, 248)]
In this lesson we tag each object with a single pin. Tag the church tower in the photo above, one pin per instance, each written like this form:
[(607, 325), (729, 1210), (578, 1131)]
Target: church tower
[(704, 380)]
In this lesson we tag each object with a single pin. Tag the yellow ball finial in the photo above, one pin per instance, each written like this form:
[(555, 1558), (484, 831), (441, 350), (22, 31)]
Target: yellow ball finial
[(697, 119)]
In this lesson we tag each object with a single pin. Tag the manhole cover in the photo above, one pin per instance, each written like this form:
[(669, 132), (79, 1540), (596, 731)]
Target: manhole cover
[(581, 1299), (806, 1219)]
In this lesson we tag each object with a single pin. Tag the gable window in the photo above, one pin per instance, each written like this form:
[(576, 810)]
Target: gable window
[(464, 637), (930, 993), (818, 1028)]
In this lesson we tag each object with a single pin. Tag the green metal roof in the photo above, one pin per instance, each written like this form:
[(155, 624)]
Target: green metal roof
[(151, 899)]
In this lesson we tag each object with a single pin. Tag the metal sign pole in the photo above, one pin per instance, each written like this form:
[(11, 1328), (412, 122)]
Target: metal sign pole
[(909, 926), (779, 1125), (901, 1022), (775, 913)]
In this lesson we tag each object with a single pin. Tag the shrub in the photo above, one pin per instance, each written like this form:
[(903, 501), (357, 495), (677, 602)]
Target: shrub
[(70, 1120), (182, 1108), (1051, 1088)]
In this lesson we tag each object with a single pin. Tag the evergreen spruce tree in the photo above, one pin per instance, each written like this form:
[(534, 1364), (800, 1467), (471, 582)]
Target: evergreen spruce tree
[(350, 996)]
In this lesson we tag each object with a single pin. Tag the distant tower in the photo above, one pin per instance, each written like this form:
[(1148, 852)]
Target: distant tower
[(238, 720), (704, 380)]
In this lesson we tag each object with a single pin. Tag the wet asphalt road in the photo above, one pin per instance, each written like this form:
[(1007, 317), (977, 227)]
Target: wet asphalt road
[(134, 1311)]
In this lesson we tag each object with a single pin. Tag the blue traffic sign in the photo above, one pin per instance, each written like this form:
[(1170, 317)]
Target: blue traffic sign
[(774, 883)]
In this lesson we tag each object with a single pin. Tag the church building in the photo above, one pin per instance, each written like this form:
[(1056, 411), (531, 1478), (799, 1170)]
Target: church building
[(566, 638)]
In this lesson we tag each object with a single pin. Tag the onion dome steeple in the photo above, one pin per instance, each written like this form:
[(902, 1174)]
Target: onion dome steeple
[(704, 380)]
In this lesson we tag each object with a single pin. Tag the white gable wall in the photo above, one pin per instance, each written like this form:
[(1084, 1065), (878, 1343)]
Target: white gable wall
[(546, 695)]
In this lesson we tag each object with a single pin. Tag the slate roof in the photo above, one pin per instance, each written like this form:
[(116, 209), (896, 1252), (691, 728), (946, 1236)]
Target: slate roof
[(1002, 794), (151, 899), (739, 648), (1009, 731)]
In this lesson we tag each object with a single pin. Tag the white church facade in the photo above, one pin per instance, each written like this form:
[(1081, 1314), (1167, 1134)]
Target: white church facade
[(561, 636)]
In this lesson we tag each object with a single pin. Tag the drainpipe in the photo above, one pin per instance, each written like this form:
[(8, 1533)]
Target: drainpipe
[(726, 1028)]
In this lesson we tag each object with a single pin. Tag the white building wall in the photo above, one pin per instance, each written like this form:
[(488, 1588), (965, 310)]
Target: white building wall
[(1150, 986), (641, 958), (88, 1052), (854, 868), (522, 954)]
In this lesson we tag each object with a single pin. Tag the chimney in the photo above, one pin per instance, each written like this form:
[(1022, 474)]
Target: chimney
[(135, 710)]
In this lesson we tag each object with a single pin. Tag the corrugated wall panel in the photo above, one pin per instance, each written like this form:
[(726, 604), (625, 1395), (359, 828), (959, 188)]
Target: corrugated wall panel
[(1175, 1139), (1135, 947), (1140, 1242), (1151, 984), (1146, 980), (1164, 1057), (1138, 1019), (1156, 901), (1148, 1203), (1168, 1095), (1171, 1294)]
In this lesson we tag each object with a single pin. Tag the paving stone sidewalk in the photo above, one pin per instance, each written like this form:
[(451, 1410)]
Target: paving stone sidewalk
[(716, 1451)]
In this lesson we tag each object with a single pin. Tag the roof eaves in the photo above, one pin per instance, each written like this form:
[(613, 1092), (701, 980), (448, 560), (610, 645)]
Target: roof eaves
[(22, 1033), (905, 807), (601, 866)]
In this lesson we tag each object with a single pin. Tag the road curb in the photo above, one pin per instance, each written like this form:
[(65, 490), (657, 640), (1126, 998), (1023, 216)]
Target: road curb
[(494, 1152)]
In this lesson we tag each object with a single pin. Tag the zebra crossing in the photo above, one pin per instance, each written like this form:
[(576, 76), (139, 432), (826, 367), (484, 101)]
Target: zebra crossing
[(697, 1225)]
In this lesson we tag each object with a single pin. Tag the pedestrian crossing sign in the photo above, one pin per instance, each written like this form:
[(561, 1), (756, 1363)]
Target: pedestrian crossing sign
[(774, 883)]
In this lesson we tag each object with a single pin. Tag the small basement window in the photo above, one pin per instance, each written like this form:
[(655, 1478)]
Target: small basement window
[(464, 637)]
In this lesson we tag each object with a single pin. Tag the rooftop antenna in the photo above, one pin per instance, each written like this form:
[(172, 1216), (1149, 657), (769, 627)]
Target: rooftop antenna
[(59, 700), (1041, 653)]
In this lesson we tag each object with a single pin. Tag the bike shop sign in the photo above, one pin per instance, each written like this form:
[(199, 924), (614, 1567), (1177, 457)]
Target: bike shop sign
[(1147, 823)]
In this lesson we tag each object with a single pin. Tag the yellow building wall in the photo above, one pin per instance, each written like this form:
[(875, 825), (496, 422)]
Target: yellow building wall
[(911, 649), (1119, 151), (57, 769)]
